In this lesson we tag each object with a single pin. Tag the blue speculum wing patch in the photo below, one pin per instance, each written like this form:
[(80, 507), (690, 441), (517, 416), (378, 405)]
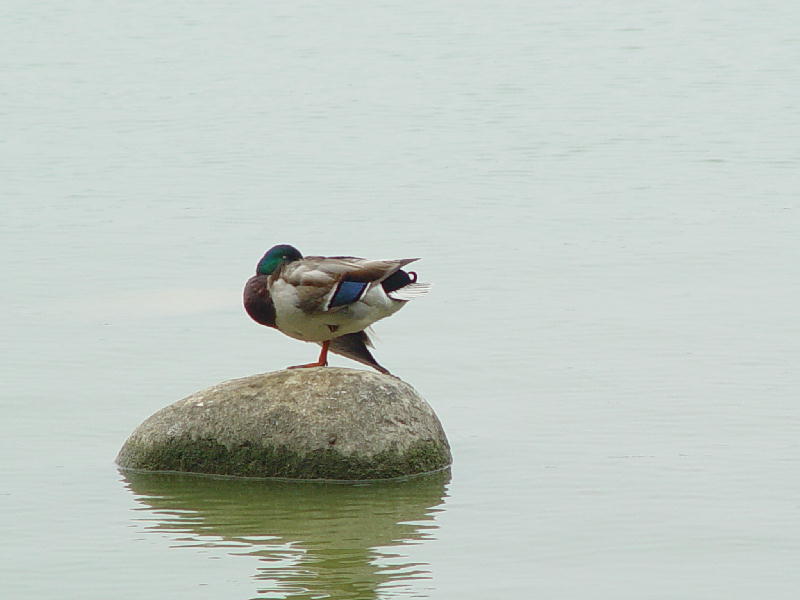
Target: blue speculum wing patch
[(348, 292)]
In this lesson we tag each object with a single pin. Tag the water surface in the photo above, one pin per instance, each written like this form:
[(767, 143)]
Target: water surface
[(605, 196)]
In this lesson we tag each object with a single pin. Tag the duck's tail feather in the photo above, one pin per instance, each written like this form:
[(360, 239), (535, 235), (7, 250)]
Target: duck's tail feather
[(410, 291), (354, 346)]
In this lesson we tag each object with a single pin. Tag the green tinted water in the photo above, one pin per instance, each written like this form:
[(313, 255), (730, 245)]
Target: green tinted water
[(310, 540)]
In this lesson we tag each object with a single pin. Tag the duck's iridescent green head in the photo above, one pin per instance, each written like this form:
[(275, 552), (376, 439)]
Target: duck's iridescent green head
[(275, 257)]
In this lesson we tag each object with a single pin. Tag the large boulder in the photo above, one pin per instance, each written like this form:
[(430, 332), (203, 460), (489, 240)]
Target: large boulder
[(317, 423)]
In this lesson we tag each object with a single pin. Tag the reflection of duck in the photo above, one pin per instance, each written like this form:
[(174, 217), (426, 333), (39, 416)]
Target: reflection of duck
[(332, 531), (328, 300)]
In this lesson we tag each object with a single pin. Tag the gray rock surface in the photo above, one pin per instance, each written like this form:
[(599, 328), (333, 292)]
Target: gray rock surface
[(324, 422)]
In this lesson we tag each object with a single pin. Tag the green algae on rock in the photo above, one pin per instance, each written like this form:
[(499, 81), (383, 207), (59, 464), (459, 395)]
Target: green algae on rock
[(320, 423)]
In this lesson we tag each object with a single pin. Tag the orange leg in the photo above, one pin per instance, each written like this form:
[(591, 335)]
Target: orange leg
[(323, 358)]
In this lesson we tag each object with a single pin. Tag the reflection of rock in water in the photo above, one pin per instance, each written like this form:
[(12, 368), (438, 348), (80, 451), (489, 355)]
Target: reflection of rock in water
[(328, 532)]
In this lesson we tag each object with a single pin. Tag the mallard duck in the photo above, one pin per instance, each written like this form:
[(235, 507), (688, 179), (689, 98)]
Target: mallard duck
[(329, 300)]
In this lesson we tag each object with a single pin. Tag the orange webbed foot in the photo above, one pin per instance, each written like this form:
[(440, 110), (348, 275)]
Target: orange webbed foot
[(323, 358)]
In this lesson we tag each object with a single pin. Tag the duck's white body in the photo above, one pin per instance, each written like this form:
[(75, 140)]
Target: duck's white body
[(320, 326)]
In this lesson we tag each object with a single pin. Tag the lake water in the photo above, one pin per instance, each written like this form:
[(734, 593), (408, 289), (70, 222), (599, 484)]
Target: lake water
[(604, 194)]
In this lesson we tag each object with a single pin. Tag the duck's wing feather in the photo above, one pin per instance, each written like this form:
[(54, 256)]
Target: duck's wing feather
[(349, 268), (327, 283), (354, 346), (347, 292)]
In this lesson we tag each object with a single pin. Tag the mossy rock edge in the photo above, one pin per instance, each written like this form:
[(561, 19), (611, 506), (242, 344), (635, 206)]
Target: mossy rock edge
[(322, 423)]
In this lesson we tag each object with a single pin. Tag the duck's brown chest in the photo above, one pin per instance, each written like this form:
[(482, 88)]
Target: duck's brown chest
[(258, 302)]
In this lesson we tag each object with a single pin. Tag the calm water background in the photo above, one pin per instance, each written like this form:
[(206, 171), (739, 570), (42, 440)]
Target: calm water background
[(605, 195)]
